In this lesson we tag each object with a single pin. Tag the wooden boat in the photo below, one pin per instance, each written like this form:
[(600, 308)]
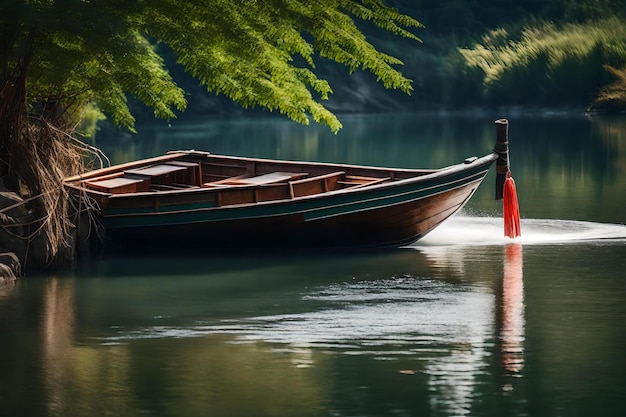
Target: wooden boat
[(193, 198)]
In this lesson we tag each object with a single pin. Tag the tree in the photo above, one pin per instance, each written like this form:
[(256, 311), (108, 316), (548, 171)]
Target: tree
[(99, 50), (59, 56)]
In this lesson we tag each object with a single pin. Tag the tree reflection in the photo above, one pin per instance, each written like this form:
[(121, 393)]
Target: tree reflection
[(57, 338), (90, 376)]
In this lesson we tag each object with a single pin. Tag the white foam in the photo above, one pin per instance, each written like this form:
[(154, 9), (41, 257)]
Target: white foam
[(466, 230)]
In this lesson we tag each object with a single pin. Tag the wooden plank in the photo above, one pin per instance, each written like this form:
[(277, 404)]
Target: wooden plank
[(271, 192), (212, 169), (222, 182), (319, 177), (183, 163), (361, 178), (351, 183), (163, 187), (271, 178), (175, 174), (232, 196), (108, 176), (315, 185), (122, 167), (194, 167), (120, 185), (156, 170), (166, 198)]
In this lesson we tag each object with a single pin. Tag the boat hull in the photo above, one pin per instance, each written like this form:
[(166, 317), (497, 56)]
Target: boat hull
[(397, 214), (398, 225)]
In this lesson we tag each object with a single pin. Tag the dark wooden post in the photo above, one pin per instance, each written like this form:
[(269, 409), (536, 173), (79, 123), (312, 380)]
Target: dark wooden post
[(502, 149)]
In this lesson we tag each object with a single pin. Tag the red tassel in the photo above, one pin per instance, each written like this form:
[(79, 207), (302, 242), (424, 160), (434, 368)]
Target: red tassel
[(511, 209)]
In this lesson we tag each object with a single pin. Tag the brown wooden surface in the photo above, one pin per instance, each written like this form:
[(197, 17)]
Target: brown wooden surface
[(123, 167), (395, 225), (272, 177), (195, 169), (315, 185), (120, 185), (156, 170), (202, 168), (355, 181)]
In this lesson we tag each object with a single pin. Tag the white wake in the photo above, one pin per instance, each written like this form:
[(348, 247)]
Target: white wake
[(465, 230)]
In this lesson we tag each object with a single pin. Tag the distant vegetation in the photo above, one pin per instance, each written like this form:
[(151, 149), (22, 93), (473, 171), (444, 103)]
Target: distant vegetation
[(549, 64), (612, 97), (554, 53), (480, 54)]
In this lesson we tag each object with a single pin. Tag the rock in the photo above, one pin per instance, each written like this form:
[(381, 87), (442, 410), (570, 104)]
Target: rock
[(29, 246), (41, 258), (13, 214), (10, 267)]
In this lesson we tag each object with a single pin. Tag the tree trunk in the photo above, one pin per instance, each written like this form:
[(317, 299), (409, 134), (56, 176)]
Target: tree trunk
[(36, 153)]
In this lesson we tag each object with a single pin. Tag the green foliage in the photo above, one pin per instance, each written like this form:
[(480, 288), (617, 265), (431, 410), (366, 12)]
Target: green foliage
[(90, 117), (101, 50), (442, 80), (581, 11), (613, 96), (547, 63)]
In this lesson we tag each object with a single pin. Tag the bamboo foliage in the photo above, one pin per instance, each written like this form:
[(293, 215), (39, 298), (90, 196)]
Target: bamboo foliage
[(549, 60), (613, 96)]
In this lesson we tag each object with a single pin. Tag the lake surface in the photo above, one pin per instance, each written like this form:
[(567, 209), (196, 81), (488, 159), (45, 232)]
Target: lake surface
[(462, 323)]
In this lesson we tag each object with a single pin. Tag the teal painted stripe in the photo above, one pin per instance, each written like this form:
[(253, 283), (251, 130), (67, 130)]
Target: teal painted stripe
[(162, 209), (130, 210)]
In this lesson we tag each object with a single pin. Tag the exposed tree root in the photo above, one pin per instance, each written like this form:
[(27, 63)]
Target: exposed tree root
[(38, 149)]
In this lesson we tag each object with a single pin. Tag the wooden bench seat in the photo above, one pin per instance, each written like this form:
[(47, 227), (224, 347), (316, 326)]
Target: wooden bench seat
[(271, 178), (120, 185), (179, 172), (355, 181), (194, 170), (315, 185), (156, 170)]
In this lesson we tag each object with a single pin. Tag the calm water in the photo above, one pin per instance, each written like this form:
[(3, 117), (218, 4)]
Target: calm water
[(463, 323)]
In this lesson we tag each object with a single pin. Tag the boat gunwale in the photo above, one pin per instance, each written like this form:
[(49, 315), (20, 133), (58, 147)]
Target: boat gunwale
[(426, 175), (173, 155), (120, 168)]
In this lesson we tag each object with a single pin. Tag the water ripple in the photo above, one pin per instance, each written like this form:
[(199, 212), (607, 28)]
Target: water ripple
[(406, 314), (444, 329)]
